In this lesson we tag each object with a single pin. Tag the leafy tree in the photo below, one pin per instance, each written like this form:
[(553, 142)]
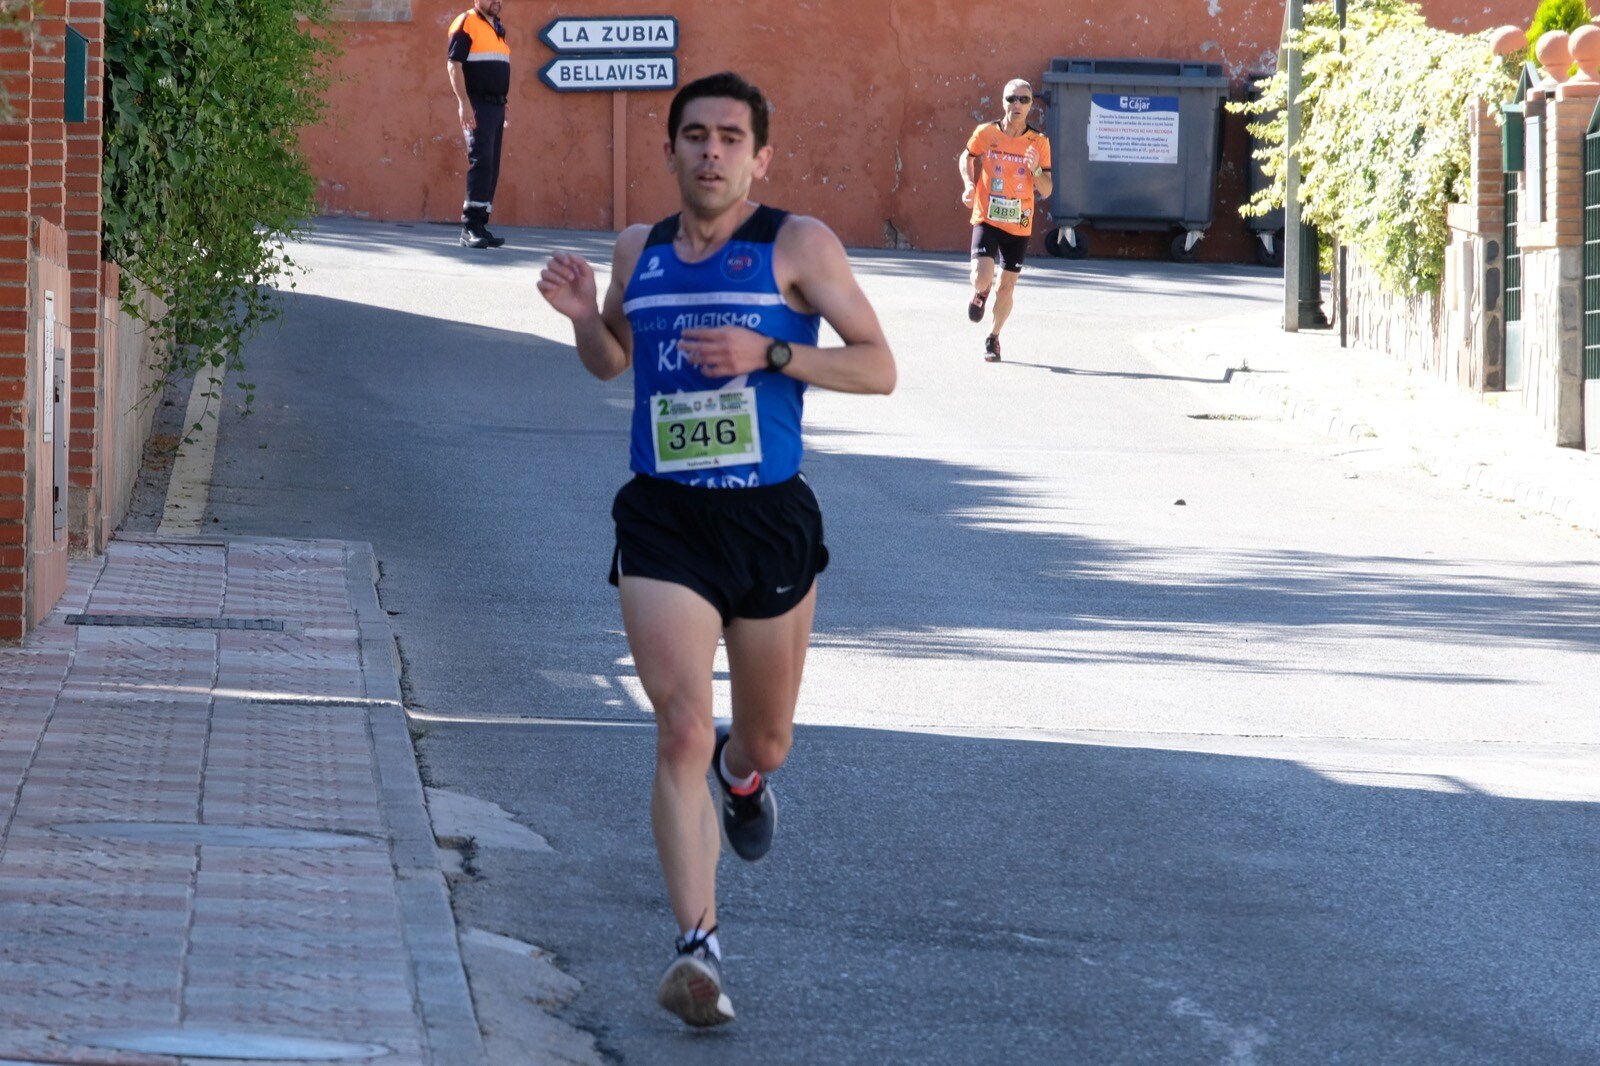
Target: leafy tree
[(1565, 15), (204, 181), (1384, 146)]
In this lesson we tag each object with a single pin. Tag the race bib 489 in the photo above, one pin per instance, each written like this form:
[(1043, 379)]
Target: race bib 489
[(1005, 209)]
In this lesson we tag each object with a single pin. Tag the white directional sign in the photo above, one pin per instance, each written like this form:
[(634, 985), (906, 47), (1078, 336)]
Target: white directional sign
[(572, 35), (610, 73)]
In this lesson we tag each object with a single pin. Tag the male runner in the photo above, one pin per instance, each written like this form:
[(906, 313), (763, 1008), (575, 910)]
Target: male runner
[(718, 535), (1003, 166)]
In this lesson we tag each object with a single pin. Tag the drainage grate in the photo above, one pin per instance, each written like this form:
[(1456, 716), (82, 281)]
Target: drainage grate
[(166, 621)]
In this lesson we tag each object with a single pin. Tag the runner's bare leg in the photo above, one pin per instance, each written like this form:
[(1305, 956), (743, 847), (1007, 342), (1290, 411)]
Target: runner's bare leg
[(673, 634), (982, 274), (766, 657), (1002, 299)]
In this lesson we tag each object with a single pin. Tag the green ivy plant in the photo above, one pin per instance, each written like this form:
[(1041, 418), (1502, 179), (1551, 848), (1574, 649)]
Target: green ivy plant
[(204, 181), (1384, 142)]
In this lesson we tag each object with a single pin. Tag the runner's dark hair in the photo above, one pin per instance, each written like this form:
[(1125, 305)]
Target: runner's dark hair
[(726, 84)]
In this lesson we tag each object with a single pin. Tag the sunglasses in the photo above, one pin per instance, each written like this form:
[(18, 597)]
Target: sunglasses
[(1019, 99)]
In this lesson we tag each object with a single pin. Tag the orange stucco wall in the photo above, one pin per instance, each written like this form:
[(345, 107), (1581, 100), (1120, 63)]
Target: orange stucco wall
[(872, 101)]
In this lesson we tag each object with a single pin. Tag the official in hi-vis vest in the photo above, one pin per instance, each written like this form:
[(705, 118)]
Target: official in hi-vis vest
[(480, 75)]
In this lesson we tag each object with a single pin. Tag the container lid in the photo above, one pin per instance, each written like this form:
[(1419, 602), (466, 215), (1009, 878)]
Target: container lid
[(1155, 72)]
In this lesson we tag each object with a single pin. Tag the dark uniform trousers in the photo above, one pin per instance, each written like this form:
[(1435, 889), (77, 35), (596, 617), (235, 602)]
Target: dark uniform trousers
[(483, 159)]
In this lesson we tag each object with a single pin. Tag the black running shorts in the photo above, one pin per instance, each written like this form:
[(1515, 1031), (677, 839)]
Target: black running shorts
[(992, 242), (752, 553)]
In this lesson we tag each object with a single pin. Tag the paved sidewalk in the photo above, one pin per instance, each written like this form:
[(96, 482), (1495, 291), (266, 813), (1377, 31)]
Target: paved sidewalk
[(1485, 444), (214, 842)]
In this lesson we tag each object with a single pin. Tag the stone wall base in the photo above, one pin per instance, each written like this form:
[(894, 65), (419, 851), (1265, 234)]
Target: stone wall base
[(1457, 336), (1552, 341)]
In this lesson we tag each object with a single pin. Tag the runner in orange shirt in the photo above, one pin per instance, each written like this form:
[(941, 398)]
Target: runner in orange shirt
[(1005, 165)]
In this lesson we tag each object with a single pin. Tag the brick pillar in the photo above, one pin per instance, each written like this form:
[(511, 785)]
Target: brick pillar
[(16, 68), (1571, 109), (1565, 120), (88, 475), (49, 131), (1486, 218)]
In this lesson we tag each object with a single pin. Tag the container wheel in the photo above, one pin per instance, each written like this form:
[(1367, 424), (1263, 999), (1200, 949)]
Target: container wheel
[(1056, 243), (1270, 257), (1181, 252)]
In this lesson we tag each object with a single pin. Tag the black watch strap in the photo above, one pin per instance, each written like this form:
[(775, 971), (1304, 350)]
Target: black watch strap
[(778, 355)]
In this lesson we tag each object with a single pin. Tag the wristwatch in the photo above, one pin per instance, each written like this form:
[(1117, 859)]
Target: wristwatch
[(778, 355)]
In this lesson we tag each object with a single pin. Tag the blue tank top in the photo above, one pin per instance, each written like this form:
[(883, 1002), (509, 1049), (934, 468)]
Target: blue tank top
[(714, 432)]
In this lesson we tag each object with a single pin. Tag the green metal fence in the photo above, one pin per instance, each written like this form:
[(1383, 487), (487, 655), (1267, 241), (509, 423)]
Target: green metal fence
[(1520, 169), (1591, 247), (1513, 254)]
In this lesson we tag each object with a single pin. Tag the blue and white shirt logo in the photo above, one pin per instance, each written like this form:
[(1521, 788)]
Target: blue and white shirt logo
[(741, 265)]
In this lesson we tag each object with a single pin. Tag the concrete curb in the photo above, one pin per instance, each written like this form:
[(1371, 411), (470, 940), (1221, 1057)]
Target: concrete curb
[(428, 923), (1313, 414)]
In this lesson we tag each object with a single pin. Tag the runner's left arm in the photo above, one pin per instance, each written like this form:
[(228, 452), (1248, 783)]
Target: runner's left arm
[(1044, 180), (809, 260)]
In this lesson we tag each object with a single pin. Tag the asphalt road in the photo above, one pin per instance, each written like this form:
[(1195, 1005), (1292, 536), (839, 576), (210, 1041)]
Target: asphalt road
[(1139, 726)]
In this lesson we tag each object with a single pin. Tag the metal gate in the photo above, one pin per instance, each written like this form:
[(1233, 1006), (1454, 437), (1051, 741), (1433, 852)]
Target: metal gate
[(1521, 167), (1513, 293), (1591, 247)]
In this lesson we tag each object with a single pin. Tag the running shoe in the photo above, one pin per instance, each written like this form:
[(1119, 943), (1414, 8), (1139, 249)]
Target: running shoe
[(975, 308), (991, 349), (692, 986), (747, 821)]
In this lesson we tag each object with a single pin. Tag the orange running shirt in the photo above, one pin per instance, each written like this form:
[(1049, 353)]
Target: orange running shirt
[(1004, 195)]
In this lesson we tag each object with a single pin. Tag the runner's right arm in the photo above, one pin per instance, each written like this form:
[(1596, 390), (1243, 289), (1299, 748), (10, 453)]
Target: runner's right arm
[(603, 337)]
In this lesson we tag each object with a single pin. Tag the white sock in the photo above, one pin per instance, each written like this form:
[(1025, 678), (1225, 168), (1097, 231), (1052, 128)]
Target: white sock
[(711, 942), (737, 784)]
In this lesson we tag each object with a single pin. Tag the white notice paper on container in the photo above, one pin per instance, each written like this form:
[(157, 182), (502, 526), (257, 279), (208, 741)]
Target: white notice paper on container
[(1133, 129)]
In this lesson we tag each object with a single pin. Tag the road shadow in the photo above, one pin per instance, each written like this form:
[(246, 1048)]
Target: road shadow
[(1127, 375), (944, 899), (481, 463)]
